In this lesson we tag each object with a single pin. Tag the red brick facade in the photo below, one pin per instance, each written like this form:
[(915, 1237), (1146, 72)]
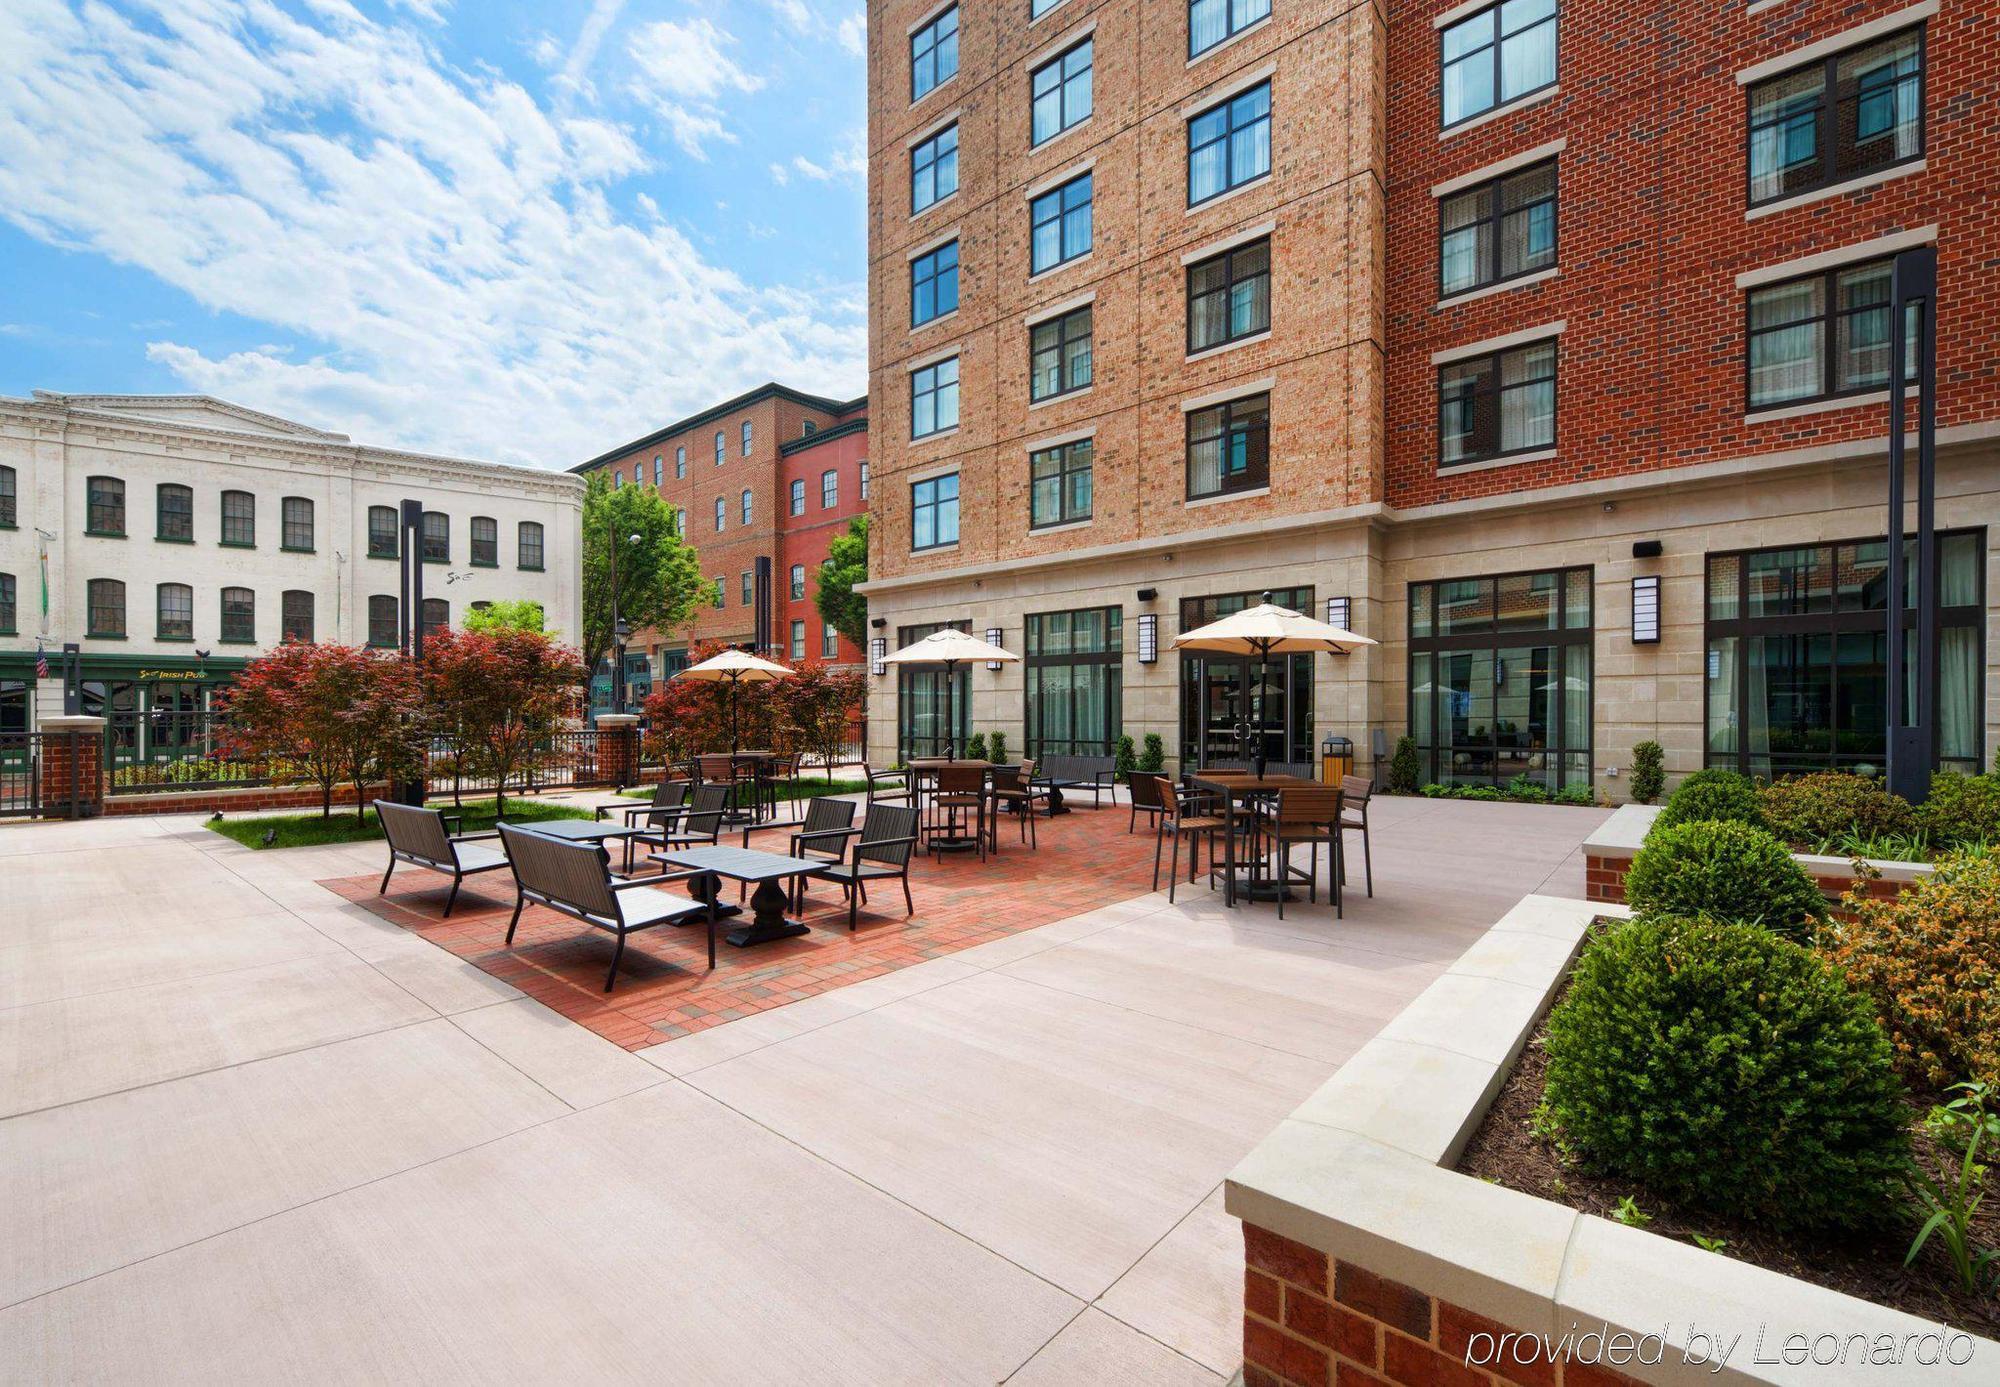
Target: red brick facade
[(72, 774), (1652, 233), (803, 539)]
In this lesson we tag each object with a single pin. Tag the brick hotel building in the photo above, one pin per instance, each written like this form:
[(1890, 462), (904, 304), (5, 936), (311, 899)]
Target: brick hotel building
[(774, 474), (1451, 319)]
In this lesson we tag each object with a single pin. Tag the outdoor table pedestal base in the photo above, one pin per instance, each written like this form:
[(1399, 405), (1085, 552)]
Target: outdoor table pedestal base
[(767, 917), (707, 888)]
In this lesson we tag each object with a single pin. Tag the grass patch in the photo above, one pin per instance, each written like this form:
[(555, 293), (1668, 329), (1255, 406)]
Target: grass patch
[(805, 787), (310, 830)]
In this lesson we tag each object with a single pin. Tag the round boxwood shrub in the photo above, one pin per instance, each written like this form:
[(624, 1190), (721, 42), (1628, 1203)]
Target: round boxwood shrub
[(1929, 960), (1809, 809), (1729, 1071), (1725, 871), (1961, 810), (1713, 796)]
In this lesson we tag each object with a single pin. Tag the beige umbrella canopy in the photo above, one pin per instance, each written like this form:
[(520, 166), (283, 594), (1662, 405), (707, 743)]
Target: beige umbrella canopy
[(735, 667), (1266, 630), (951, 649)]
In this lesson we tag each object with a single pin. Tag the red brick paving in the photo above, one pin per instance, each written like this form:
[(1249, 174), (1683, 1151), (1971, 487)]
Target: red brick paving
[(1085, 860)]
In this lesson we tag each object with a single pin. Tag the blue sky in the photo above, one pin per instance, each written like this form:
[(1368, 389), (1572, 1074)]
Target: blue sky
[(498, 229)]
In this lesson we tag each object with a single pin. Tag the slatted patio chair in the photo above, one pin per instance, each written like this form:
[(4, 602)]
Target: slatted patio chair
[(1355, 791), (1307, 814), (418, 836), (1145, 800), (1184, 814), (960, 795), (1012, 787), (890, 787), (576, 879), (823, 835), (668, 795), (888, 836), (698, 825)]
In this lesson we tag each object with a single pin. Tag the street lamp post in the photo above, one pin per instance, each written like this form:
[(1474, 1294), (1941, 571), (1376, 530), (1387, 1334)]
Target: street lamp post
[(619, 630), (1912, 711)]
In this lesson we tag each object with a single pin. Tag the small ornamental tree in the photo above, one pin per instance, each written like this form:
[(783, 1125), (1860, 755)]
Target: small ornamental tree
[(502, 693), (337, 712), (818, 705), (523, 615), (686, 717), (1404, 767), (1153, 759), (1649, 774)]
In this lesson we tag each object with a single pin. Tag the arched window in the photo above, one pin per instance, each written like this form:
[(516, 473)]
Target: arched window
[(239, 615), (175, 612), (829, 489), (798, 496), (239, 519), (659, 470), (295, 515), (437, 614), (296, 616), (437, 537), (746, 507), (173, 513), (746, 438), (382, 621), (382, 532), (680, 461), (107, 608), (721, 512), (485, 542), (529, 543), (721, 449), (106, 511), (798, 581)]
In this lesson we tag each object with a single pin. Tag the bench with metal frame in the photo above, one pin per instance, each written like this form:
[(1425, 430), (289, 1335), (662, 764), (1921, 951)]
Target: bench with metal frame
[(418, 836), (1096, 774)]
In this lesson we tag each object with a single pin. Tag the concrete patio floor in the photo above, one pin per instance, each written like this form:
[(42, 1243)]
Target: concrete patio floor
[(250, 1131)]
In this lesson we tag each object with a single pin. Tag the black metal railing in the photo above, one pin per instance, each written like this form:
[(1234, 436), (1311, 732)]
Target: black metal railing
[(20, 774), (561, 761), (166, 752)]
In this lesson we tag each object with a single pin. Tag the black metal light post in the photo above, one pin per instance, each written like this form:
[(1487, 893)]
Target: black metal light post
[(410, 620), (619, 630), (1912, 712)]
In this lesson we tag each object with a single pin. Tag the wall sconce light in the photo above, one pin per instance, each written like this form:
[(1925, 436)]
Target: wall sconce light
[(878, 648), (993, 634), (878, 622), (1338, 611), (1149, 638), (1646, 610), (1147, 594)]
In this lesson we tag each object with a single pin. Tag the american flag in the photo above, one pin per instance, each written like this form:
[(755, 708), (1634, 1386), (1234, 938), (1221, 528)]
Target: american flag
[(41, 661)]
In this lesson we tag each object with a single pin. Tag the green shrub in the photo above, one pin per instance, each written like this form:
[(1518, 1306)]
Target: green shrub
[(975, 747), (1809, 810), (1929, 960), (1712, 796), (1730, 1071), (997, 744), (1527, 789), (1577, 794), (1153, 759), (1724, 871), (1404, 767), (1962, 809), (1649, 772), (1124, 762)]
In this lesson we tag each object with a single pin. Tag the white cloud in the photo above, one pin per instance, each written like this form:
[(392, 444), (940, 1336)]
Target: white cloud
[(683, 74), (440, 258), (850, 160), (573, 79), (853, 33)]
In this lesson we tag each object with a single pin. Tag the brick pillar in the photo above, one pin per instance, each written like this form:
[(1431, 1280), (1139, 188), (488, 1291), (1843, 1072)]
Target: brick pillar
[(618, 748), (72, 754)]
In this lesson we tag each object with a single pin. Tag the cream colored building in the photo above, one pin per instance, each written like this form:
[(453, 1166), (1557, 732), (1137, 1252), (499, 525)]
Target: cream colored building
[(182, 535)]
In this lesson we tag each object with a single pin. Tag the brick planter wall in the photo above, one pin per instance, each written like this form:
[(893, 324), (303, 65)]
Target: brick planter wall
[(241, 801), (1312, 1321), (1604, 879)]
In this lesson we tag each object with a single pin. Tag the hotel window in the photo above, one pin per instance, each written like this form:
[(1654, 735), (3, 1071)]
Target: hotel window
[(1059, 225), (1059, 93), (1074, 682), (1212, 21), (829, 489), (239, 616), (173, 513), (1059, 355), (105, 513), (934, 512), (744, 506), (1500, 678), (721, 449), (485, 542), (1229, 296), (239, 519), (1497, 405), (295, 614), (934, 284), (798, 640), (746, 438), (1229, 447), (934, 398), (829, 641), (528, 543), (436, 614), (437, 537), (106, 601), (7, 604), (382, 532), (9, 500), (1059, 484), (1823, 336), (921, 698), (1498, 230), (863, 489), (747, 587), (382, 622), (1797, 670), (295, 524), (174, 612), (1229, 145), (721, 513), (798, 582), (680, 462), (1498, 55), (933, 174), (934, 53), (798, 496), (659, 470), (1837, 118)]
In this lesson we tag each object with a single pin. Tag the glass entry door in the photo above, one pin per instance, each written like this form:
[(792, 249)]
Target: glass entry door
[(1223, 694)]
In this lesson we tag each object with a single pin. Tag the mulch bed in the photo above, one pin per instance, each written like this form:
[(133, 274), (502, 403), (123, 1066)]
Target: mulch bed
[(1506, 1150), (1086, 859)]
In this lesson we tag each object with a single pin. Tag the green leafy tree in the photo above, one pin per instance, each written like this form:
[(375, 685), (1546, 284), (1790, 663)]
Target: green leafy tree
[(660, 583), (846, 565), (508, 616)]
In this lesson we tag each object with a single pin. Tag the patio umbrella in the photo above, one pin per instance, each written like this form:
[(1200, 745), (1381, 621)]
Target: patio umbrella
[(1266, 630), (737, 667), (951, 649)]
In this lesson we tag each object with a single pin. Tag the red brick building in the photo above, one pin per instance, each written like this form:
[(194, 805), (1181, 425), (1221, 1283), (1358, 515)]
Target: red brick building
[(728, 471)]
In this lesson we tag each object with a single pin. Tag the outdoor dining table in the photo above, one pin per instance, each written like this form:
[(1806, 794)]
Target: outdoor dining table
[(923, 781), (585, 831), (768, 871), (1234, 787)]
